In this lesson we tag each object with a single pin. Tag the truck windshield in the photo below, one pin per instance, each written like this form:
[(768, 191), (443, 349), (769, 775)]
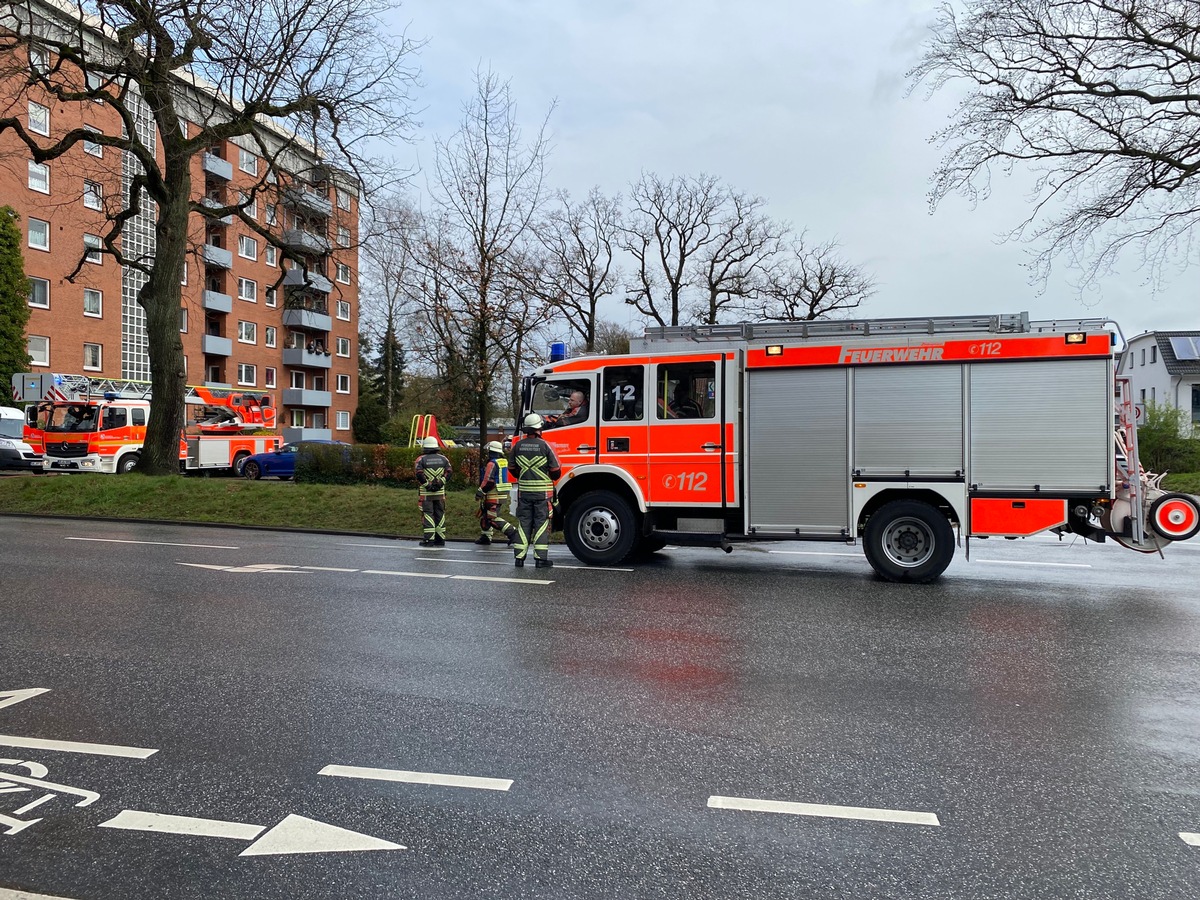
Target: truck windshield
[(73, 418)]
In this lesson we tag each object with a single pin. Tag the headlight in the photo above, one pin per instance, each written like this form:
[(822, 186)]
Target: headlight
[(7, 445)]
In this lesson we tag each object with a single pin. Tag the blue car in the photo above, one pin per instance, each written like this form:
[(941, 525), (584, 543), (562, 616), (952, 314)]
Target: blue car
[(279, 463)]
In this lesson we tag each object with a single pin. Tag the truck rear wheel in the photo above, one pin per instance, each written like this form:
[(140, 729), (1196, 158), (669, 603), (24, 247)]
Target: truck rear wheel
[(127, 463), (239, 459), (907, 540), (601, 529)]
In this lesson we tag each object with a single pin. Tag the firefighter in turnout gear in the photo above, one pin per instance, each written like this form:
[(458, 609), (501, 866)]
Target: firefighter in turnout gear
[(433, 472), (493, 490), (536, 469)]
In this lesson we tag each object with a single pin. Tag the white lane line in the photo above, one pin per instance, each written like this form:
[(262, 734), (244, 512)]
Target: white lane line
[(155, 543), (868, 814), (463, 781), (11, 740), (135, 820), (1190, 838), (325, 569), (1014, 562), (376, 546), (506, 580), (462, 562), (591, 568), (409, 574), (814, 553), (6, 894)]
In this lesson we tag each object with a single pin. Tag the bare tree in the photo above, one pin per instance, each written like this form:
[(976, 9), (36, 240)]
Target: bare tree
[(488, 187), (733, 265), (669, 225), (811, 283), (612, 339), (581, 240), (1101, 98), (291, 81)]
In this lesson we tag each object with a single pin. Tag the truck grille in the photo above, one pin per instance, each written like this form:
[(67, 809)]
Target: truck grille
[(65, 450)]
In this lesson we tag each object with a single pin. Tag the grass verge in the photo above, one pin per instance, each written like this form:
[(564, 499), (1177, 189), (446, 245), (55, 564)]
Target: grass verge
[(1186, 482), (324, 507)]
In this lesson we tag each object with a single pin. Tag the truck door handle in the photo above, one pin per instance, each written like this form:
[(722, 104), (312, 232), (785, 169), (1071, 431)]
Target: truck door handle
[(585, 448), (710, 446)]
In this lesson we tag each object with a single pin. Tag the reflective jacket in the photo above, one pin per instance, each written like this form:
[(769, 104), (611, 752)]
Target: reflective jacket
[(495, 479), (433, 472), (534, 464)]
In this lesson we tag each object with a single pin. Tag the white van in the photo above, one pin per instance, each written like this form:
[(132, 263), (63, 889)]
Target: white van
[(14, 452)]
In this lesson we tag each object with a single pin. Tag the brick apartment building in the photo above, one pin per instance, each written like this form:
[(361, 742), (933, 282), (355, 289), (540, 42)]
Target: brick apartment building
[(249, 317)]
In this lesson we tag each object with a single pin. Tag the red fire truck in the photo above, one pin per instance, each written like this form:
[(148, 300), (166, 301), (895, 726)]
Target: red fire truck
[(895, 432), (86, 424)]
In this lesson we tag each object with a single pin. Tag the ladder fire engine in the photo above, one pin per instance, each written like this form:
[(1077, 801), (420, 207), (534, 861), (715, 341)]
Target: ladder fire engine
[(894, 432), (85, 424)]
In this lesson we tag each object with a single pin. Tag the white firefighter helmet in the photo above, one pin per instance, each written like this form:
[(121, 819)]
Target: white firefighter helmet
[(430, 443), (533, 422), (494, 447)]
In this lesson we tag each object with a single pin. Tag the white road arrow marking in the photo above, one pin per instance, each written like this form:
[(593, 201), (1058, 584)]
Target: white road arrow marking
[(295, 834), (6, 894), (1190, 838), (901, 816), (255, 569), (11, 698), (464, 781)]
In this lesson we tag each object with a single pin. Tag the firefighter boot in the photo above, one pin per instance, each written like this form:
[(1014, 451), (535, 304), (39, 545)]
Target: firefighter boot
[(483, 540), (519, 562), (543, 564)]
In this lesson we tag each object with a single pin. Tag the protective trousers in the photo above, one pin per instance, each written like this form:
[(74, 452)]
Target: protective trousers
[(489, 520), (533, 523), (433, 509)]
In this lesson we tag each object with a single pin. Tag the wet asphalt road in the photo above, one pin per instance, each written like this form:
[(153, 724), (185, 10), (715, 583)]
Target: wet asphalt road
[(1042, 701)]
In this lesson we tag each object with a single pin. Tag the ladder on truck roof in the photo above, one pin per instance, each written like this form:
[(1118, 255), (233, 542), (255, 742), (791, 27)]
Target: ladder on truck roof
[(1007, 323)]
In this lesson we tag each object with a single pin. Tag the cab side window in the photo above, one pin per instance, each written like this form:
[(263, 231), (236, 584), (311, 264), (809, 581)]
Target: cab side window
[(139, 416), (115, 417), (624, 390), (685, 391)]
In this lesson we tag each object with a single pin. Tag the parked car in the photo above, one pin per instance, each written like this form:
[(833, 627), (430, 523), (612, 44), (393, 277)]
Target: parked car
[(14, 452), (279, 463)]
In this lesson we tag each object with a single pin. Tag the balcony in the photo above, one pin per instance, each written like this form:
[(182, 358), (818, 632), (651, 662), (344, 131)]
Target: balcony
[(216, 204), (217, 302), (296, 278), (303, 358), (218, 257), (307, 201), (305, 241), (291, 435), (302, 397), (307, 320), (217, 167), (218, 346)]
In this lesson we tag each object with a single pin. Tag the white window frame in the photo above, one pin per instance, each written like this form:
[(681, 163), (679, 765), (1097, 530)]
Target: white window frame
[(99, 366), (251, 208), (183, 280), (343, 342), (39, 118), (91, 147), (343, 420), (297, 376), (99, 295), (35, 359), (244, 369), (269, 336), (297, 418), (183, 320), (252, 295), (95, 245), (343, 305), (272, 214), (244, 242), (343, 198), (247, 161), (93, 194), (39, 59), (42, 281), (247, 332), (269, 376), (343, 379), (45, 230), (343, 270), (343, 236), (39, 173), (271, 297), (271, 255)]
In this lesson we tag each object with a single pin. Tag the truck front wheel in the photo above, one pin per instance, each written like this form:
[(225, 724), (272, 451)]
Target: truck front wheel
[(907, 540), (600, 528), (127, 463)]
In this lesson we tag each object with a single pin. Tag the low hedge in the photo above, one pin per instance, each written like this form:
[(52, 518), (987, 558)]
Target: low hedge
[(1184, 482), (379, 464)]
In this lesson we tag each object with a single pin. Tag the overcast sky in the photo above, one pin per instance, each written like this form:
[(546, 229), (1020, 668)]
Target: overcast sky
[(798, 101)]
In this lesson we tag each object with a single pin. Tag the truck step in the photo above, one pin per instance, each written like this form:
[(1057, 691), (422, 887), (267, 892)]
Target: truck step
[(695, 539)]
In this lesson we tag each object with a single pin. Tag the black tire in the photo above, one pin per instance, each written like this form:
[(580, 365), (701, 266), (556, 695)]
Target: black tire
[(601, 529), (648, 546), (238, 460), (126, 463), (251, 470), (909, 541)]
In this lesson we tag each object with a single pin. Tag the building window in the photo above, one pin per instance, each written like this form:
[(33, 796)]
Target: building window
[(297, 418), (251, 206), (247, 375), (343, 236), (343, 420), (93, 195), (343, 273), (343, 199), (39, 234), (247, 332), (39, 293), (343, 346), (270, 297), (39, 118), (248, 290), (247, 161), (269, 377), (93, 303), (271, 255), (183, 280), (247, 247), (1153, 354), (183, 320), (298, 380), (39, 350), (95, 83), (91, 357), (272, 215), (343, 310), (1143, 356), (91, 147), (269, 335), (91, 249), (343, 384), (39, 59), (39, 177)]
